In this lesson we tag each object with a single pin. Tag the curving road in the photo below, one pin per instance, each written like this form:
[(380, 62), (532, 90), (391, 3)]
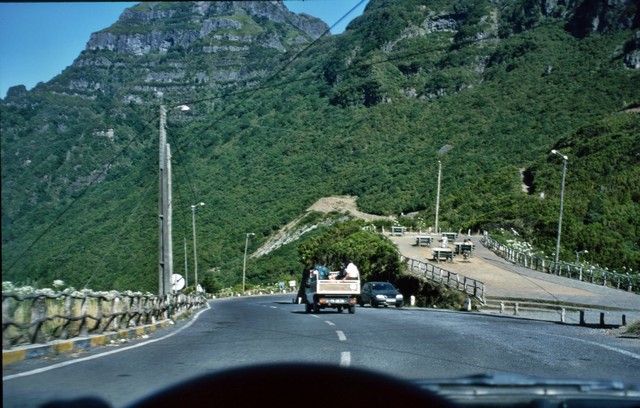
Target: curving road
[(407, 343)]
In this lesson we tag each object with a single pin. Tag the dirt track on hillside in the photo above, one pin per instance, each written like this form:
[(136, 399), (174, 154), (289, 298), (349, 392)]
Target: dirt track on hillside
[(345, 205), (338, 204)]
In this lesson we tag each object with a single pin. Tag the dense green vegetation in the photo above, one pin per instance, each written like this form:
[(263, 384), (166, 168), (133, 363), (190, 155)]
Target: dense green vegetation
[(377, 259), (364, 113), (376, 256)]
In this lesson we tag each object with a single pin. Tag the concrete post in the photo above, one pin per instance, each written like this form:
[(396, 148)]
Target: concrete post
[(38, 317)]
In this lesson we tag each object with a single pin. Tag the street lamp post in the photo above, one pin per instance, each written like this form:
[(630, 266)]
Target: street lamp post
[(564, 171), (438, 194), (444, 149), (584, 251), (195, 251), (244, 263)]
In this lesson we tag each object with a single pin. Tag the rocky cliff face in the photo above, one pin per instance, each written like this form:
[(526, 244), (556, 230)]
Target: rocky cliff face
[(588, 17), (463, 39), (158, 26), (187, 47)]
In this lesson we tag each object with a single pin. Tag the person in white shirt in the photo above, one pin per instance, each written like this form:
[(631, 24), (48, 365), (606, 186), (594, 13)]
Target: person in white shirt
[(352, 271)]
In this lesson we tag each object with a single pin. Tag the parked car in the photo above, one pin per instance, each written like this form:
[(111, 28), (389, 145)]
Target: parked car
[(380, 294)]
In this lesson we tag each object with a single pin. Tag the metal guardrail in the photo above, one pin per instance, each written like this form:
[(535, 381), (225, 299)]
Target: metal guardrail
[(591, 274), (471, 287), (42, 317)]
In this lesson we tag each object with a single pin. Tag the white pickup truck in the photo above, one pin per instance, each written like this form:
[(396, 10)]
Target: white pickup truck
[(331, 293)]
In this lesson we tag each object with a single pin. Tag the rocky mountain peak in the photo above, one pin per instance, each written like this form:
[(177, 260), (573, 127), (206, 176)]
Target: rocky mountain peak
[(182, 47), (157, 26)]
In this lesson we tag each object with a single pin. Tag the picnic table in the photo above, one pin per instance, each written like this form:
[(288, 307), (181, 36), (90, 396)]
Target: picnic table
[(423, 239), (451, 236), (462, 247), (398, 230), (445, 254)]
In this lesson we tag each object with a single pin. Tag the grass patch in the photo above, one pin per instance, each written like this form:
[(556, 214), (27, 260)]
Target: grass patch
[(633, 329)]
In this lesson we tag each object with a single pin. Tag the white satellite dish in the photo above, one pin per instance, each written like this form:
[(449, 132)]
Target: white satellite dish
[(177, 281)]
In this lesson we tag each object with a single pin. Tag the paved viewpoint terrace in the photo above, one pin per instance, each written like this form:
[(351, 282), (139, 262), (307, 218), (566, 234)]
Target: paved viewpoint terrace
[(504, 280)]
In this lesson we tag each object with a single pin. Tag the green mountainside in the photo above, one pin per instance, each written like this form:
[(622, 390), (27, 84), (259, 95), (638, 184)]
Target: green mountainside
[(282, 115)]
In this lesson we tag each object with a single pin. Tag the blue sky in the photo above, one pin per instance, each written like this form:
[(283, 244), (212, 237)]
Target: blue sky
[(39, 40)]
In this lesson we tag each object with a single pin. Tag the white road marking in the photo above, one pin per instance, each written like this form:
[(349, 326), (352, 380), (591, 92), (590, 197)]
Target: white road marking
[(341, 335), (604, 346), (345, 359), (329, 323), (274, 307)]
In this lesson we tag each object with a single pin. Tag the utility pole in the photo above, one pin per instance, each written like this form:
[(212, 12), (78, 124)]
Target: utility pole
[(161, 219), (165, 260), (168, 270)]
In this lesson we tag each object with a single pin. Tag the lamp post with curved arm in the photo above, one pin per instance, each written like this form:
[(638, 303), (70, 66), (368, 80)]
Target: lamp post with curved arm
[(564, 171), (244, 263), (195, 251), (584, 251), (438, 194)]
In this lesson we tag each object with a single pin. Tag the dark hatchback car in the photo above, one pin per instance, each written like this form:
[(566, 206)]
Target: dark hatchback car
[(380, 294)]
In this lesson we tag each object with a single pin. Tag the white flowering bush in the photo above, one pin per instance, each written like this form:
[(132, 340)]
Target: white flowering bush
[(520, 246), (7, 286), (512, 239), (62, 303), (24, 290), (58, 285)]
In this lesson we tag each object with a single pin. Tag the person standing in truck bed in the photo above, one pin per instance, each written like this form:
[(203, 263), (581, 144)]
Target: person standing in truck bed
[(352, 271), (323, 271)]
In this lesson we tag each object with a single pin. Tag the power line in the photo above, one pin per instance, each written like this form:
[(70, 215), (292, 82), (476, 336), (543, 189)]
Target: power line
[(126, 224), (251, 92), (71, 204), (262, 86), (179, 156)]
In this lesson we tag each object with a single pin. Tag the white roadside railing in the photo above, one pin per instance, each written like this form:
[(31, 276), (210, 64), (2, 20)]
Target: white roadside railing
[(589, 274)]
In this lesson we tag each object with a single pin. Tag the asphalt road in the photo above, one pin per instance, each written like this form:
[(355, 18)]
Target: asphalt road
[(406, 343)]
